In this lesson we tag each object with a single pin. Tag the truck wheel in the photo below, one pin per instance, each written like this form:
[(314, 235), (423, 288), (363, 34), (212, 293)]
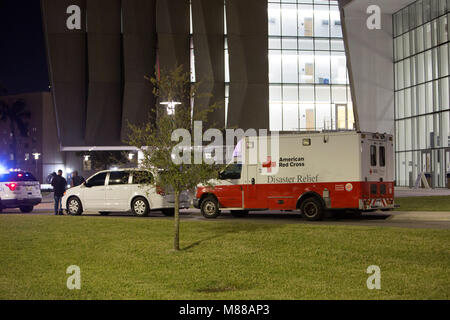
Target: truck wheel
[(26, 209), (312, 209), (239, 213), (140, 207), (210, 208), (74, 207), (169, 212)]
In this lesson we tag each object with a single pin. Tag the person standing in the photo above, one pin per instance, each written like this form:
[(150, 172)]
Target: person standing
[(59, 187), (76, 179)]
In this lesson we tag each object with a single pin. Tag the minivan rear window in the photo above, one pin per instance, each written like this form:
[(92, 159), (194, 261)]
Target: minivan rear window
[(17, 176)]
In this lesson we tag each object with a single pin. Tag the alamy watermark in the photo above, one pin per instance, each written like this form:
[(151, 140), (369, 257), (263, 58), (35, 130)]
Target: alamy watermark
[(74, 280), (374, 280)]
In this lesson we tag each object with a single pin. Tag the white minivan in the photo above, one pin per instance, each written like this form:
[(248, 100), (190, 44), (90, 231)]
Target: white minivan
[(120, 191)]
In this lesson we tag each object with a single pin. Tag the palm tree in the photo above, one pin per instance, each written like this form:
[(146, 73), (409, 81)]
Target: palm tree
[(15, 114)]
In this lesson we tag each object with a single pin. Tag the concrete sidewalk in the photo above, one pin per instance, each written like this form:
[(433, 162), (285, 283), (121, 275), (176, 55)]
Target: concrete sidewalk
[(419, 216), (402, 192)]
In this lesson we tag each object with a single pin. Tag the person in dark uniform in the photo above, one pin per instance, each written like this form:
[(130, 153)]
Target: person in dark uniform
[(59, 187), (76, 179)]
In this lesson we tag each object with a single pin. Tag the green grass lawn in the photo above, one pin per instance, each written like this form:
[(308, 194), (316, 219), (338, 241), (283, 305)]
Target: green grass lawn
[(432, 203), (131, 258)]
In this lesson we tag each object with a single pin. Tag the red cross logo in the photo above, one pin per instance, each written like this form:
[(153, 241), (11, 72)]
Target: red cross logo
[(269, 164)]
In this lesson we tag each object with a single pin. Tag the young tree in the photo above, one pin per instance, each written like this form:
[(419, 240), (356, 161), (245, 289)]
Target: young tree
[(15, 114), (155, 138)]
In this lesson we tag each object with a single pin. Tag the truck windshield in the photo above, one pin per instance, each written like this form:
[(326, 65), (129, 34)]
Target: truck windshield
[(232, 171)]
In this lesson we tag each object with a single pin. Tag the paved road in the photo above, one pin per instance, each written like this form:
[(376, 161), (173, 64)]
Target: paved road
[(433, 220)]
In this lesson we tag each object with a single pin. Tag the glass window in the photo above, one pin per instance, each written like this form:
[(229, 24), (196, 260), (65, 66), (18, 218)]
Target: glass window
[(275, 93), (405, 19), (142, 177), (419, 39), (335, 20), (305, 44), (428, 66), (307, 94), (429, 97), (274, 19), (321, 21), (305, 21), (426, 10), (274, 43), (338, 68), (442, 7), (443, 30), (289, 19), (444, 93), (382, 156), (434, 8), (306, 63), (323, 93), (398, 23), (427, 35), (399, 48), (97, 180), (323, 116), (275, 66), (232, 171), (322, 44), (290, 94), (290, 67), (276, 116), (290, 117), (373, 156), (412, 16), (419, 13), (322, 66), (443, 65), (407, 72), (421, 68), (118, 177), (337, 45), (339, 94), (406, 52)]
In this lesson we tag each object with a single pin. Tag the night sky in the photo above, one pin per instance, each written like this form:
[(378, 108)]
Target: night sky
[(23, 62)]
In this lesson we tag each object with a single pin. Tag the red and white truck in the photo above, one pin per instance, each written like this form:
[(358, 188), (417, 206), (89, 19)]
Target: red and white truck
[(313, 173)]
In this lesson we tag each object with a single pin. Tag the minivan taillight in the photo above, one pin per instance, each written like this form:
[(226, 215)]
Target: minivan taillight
[(12, 186)]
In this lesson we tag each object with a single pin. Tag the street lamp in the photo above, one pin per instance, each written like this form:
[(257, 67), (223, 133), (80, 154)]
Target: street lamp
[(36, 156), (170, 106)]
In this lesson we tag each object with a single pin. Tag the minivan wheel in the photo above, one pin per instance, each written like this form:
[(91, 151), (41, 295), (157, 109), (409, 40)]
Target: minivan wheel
[(210, 208), (140, 207), (26, 209), (74, 207), (312, 209)]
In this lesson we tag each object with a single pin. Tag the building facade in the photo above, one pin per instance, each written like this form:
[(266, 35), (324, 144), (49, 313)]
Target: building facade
[(285, 65), (308, 80), (422, 111)]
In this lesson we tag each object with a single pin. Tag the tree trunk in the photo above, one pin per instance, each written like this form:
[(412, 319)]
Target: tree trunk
[(176, 241)]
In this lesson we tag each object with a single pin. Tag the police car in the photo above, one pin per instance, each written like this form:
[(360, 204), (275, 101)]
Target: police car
[(121, 191), (19, 189)]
